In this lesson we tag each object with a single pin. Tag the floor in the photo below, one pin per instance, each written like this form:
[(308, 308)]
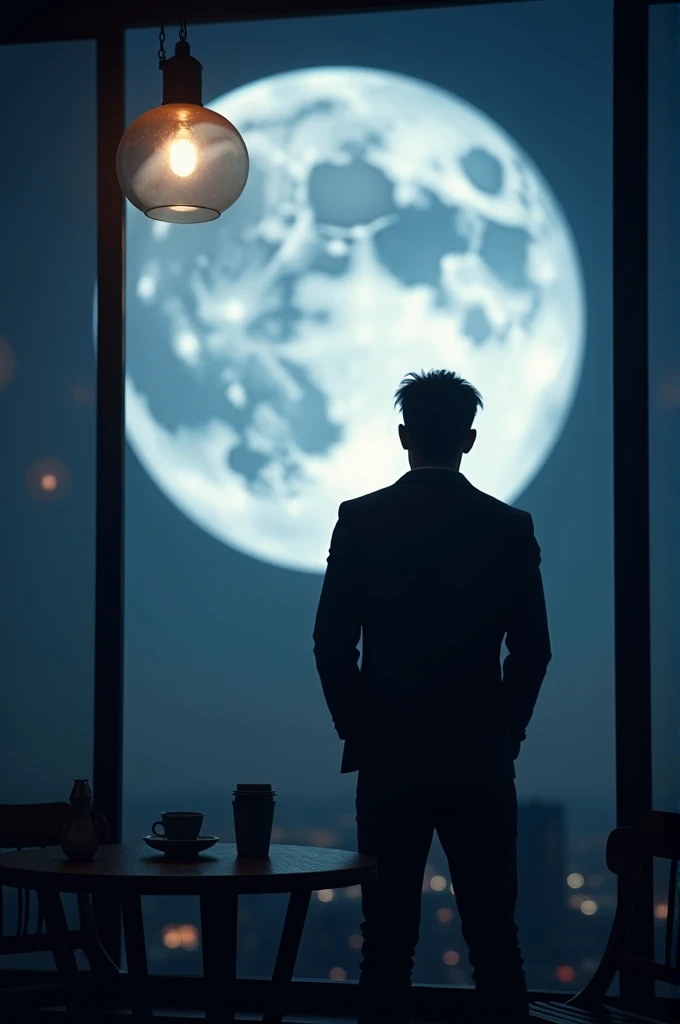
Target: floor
[(166, 1017), (294, 1020)]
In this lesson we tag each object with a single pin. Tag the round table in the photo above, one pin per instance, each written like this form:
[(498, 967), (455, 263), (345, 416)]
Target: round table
[(217, 877)]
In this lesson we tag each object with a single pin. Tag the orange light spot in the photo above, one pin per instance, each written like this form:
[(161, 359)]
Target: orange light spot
[(188, 935), (337, 974), (565, 973), (445, 915), (171, 937), (355, 941), (49, 482), (451, 958), (47, 479)]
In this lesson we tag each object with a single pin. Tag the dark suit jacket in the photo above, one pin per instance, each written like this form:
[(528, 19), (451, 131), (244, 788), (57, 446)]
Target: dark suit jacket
[(430, 576)]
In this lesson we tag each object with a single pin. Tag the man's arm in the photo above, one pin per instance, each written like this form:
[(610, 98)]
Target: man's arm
[(528, 643), (337, 629)]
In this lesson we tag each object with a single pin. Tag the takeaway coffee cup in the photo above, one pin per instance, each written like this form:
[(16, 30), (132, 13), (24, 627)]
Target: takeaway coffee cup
[(253, 819)]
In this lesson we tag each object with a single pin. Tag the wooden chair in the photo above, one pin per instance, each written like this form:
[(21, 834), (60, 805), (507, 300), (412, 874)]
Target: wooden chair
[(26, 826), (655, 835)]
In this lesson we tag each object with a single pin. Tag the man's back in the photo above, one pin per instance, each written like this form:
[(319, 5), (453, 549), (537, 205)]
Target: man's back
[(435, 574)]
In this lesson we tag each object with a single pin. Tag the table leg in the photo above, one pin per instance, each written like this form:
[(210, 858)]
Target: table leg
[(52, 911), (293, 926), (135, 949), (219, 929)]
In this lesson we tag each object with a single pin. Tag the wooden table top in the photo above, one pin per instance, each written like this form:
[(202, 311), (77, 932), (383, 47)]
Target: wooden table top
[(135, 867)]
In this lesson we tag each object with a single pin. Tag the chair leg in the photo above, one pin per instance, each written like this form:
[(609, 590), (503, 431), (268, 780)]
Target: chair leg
[(135, 949), (286, 957), (593, 994), (64, 957)]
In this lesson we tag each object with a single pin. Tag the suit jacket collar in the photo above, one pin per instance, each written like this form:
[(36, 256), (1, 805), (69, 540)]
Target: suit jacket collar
[(436, 473)]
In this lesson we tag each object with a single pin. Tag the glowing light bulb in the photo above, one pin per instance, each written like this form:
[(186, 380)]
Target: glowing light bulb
[(183, 156), (182, 163)]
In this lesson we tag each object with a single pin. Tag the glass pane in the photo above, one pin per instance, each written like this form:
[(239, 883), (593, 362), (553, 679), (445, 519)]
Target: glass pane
[(47, 422), (664, 425), (264, 351)]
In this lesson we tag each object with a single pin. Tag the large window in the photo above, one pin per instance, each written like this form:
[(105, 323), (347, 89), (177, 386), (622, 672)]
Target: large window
[(47, 423), (47, 403), (428, 188)]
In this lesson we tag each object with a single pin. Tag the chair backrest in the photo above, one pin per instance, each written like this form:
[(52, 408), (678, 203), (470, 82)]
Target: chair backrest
[(655, 835), (27, 826)]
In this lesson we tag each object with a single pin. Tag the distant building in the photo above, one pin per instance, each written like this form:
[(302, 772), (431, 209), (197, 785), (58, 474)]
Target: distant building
[(541, 864)]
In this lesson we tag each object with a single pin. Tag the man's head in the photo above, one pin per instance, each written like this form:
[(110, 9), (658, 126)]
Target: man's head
[(438, 408)]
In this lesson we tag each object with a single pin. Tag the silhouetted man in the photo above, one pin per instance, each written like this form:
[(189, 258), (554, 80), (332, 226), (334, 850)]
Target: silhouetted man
[(433, 575)]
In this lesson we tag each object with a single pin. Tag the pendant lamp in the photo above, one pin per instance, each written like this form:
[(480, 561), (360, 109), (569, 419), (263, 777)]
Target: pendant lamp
[(180, 162)]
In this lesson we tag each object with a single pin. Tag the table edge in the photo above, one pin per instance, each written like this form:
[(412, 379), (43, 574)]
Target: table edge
[(339, 878)]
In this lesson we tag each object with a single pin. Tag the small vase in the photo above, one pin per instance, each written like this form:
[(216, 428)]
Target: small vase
[(78, 838)]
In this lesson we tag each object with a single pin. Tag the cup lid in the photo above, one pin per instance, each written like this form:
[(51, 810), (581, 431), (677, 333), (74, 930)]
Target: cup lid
[(253, 789)]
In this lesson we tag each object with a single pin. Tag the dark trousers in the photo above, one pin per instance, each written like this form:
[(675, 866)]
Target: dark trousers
[(477, 827)]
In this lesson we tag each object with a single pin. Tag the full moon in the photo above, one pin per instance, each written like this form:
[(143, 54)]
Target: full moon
[(387, 226)]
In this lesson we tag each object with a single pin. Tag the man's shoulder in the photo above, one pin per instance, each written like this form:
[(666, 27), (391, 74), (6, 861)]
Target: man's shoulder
[(480, 506), (500, 510), (364, 502)]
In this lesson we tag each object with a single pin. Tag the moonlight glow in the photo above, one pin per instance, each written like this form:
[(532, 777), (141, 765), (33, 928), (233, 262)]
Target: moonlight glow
[(386, 226)]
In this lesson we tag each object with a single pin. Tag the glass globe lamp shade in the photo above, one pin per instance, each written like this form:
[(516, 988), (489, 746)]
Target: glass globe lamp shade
[(181, 162)]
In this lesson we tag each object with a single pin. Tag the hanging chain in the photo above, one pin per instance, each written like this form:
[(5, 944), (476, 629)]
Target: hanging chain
[(183, 22), (161, 40), (162, 55)]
